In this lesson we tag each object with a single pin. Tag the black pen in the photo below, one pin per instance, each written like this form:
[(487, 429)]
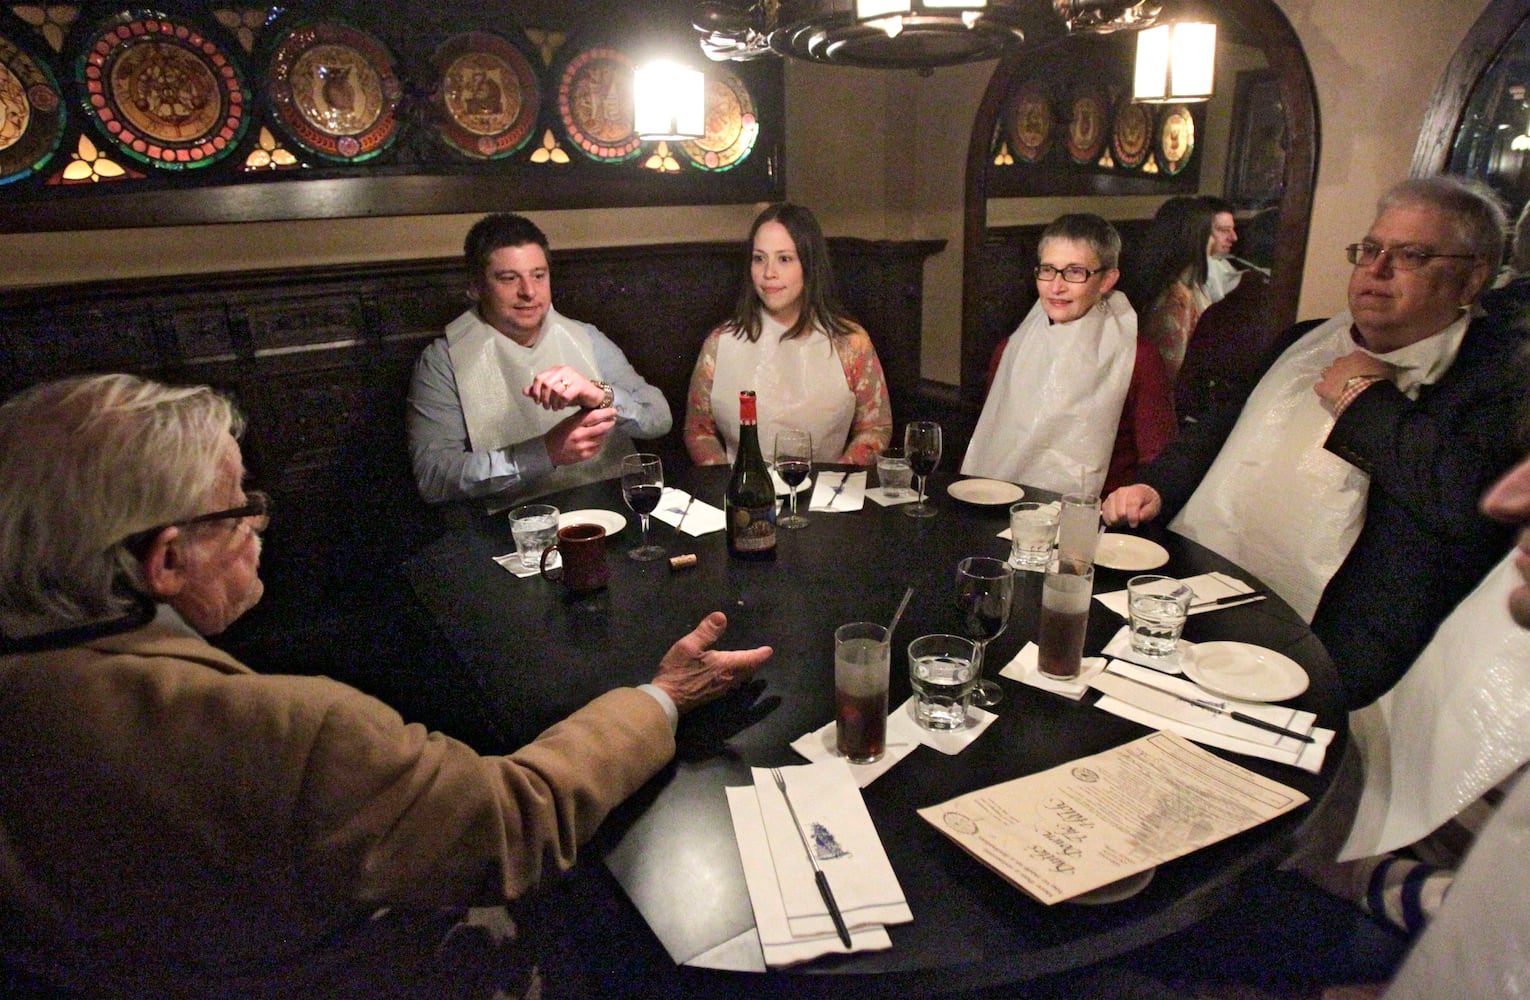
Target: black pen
[(1229, 599), (1219, 709)]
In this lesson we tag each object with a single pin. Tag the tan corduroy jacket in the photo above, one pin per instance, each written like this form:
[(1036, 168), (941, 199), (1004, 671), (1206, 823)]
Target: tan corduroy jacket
[(165, 810)]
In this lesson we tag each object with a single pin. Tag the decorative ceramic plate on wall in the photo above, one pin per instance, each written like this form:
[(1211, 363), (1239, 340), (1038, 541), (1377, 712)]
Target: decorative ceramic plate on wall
[(1088, 124), (1176, 139), (1029, 122), (335, 90), (595, 104), (31, 113), (487, 95), (163, 92), (1132, 135), (732, 126)]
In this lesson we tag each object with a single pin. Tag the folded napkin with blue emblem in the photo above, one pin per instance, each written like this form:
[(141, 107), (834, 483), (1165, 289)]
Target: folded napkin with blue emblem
[(693, 516), (836, 492), (790, 914)]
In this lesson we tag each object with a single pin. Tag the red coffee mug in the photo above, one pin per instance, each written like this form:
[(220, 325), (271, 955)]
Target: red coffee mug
[(583, 548)]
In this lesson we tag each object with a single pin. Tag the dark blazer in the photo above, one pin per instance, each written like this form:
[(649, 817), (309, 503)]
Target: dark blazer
[(1424, 544)]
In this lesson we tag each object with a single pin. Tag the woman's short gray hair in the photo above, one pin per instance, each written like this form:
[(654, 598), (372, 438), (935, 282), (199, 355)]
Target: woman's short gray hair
[(84, 463), (1481, 222)]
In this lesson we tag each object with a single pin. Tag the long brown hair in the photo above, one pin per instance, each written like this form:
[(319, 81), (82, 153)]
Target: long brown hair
[(820, 304)]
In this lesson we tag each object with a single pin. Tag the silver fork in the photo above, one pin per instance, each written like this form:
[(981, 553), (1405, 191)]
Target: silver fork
[(818, 875)]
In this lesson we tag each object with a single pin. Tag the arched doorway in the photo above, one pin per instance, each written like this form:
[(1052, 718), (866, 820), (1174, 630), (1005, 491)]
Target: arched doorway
[(1259, 25)]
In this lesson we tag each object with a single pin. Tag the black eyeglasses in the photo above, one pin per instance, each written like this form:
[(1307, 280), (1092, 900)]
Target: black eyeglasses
[(1073, 274), (1406, 257), (256, 509)]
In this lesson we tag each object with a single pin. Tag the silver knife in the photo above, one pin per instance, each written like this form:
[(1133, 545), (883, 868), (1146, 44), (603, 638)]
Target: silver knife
[(1219, 708)]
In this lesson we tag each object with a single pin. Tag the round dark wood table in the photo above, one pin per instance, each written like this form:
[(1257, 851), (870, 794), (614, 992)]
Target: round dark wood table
[(537, 654)]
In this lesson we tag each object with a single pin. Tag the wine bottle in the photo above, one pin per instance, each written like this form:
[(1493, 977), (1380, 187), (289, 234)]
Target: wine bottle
[(750, 503)]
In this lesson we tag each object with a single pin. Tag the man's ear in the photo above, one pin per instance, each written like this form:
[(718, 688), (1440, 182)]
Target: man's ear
[(164, 565)]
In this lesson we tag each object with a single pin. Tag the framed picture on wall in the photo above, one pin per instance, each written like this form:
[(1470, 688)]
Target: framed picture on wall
[(1256, 166)]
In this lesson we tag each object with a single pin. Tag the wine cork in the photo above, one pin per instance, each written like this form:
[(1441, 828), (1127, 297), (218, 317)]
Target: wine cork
[(684, 561)]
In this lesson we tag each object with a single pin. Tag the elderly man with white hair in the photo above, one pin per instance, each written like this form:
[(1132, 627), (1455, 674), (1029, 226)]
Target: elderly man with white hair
[(173, 823)]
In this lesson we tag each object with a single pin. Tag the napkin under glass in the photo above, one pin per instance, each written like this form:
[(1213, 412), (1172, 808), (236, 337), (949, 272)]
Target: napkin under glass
[(1026, 668), (1206, 587), (904, 733), (791, 916)]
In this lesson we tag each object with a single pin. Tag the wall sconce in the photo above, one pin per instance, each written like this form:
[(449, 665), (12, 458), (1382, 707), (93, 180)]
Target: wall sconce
[(669, 101), (1175, 63)]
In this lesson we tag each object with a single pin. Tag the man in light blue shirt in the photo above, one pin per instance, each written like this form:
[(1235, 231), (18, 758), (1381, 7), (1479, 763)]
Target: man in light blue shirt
[(517, 400)]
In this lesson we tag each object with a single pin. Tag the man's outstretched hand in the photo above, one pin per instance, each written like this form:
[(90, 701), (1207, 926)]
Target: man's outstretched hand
[(693, 673)]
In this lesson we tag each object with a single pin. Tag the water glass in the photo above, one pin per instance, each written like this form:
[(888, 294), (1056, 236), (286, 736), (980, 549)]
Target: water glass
[(534, 527), (1157, 607), (1065, 593), (862, 653), (1078, 526), (1033, 532), (941, 669), (894, 475)]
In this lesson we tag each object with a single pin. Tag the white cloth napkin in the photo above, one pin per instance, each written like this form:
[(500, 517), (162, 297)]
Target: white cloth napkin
[(1207, 587), (702, 518), (1026, 668), (1161, 711), (512, 562), (904, 733), (792, 918), (852, 497), (878, 495)]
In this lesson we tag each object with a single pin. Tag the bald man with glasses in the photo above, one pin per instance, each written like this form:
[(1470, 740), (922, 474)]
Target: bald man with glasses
[(1347, 481)]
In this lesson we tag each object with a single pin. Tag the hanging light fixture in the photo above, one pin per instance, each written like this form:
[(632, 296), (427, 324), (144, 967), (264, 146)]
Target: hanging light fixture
[(669, 101), (904, 34), (1176, 63)]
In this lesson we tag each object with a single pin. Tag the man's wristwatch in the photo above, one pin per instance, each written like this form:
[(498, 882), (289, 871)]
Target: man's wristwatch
[(608, 398)]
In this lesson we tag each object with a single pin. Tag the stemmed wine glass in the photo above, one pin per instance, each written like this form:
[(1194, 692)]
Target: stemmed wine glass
[(642, 486), (794, 460), (921, 446), (985, 588)]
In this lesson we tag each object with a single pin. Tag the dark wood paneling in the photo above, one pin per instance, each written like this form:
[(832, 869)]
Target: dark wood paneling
[(320, 359)]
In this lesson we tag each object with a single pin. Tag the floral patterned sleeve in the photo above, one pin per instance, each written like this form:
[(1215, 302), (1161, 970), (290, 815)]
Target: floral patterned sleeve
[(1169, 325), (701, 438), (871, 429)]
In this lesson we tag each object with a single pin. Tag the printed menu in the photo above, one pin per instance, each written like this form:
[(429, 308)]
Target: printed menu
[(1100, 819)]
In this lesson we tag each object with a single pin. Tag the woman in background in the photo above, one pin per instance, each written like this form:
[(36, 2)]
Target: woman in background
[(1170, 287), (789, 340)]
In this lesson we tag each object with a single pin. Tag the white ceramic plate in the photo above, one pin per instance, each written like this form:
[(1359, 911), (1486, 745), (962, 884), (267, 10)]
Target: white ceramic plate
[(608, 519), (1114, 892), (1130, 552), (1245, 671), (985, 491)]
